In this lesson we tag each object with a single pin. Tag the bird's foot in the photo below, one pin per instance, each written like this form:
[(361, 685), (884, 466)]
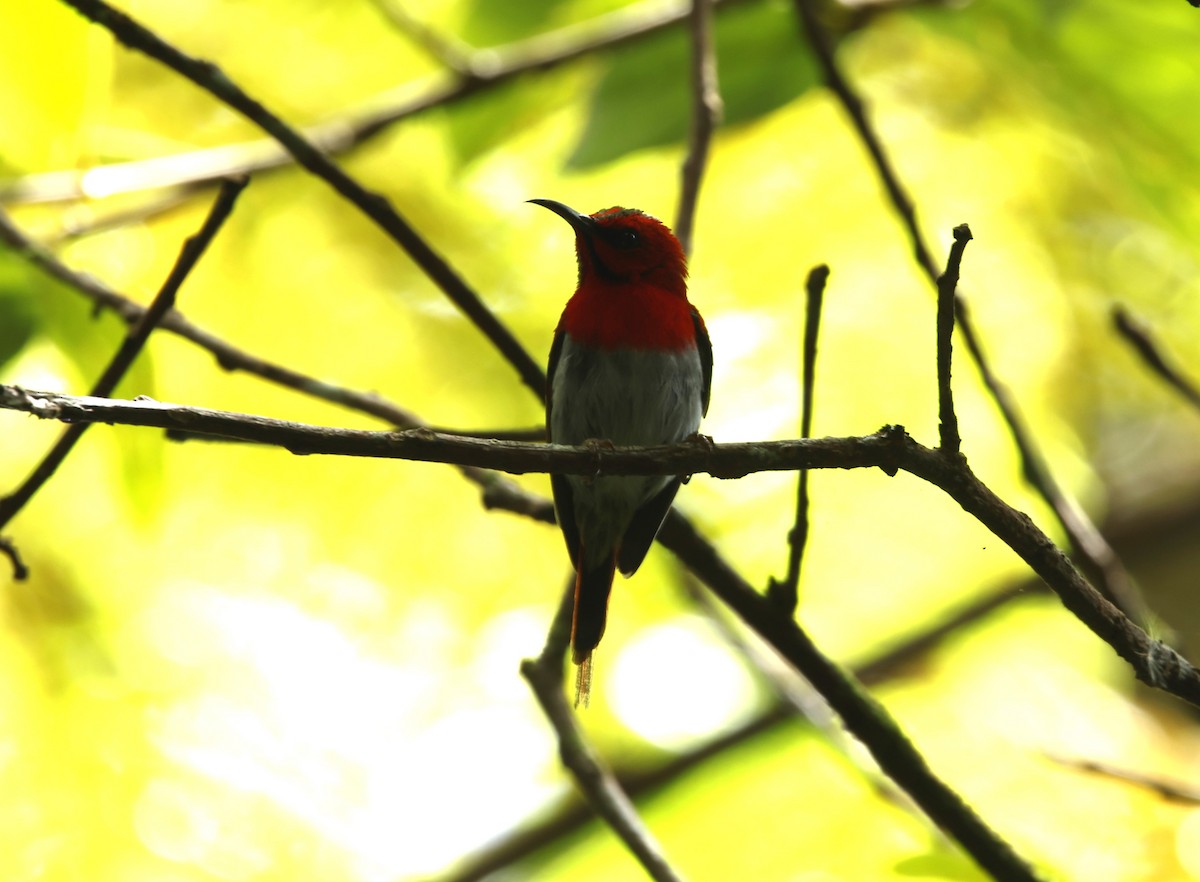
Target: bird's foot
[(704, 441), (595, 445)]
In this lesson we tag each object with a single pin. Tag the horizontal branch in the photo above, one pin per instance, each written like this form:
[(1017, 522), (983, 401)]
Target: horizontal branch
[(890, 449), (425, 445)]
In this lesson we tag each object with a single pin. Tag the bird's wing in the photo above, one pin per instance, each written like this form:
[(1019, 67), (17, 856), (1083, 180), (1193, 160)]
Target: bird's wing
[(704, 348), (564, 508), (640, 533)]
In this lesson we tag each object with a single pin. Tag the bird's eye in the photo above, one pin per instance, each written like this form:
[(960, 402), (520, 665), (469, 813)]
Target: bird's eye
[(626, 238)]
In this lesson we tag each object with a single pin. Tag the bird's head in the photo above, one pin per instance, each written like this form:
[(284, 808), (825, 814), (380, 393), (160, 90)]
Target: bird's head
[(624, 245)]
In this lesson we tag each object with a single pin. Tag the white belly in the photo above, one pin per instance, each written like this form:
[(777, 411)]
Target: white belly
[(628, 397)]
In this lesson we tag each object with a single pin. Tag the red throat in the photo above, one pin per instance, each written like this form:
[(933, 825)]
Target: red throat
[(629, 315)]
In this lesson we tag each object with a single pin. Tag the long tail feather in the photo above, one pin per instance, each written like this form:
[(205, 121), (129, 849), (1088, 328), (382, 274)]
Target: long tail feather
[(592, 587), (583, 681)]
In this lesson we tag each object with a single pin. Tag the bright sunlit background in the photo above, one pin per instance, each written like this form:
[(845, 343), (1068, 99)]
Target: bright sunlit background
[(231, 663)]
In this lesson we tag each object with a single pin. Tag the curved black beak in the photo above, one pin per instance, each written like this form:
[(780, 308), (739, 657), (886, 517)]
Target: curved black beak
[(581, 223)]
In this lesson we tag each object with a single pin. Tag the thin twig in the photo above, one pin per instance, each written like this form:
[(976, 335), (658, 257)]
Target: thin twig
[(498, 490), (1140, 337), (1097, 557), (19, 568), (212, 79), (559, 821), (947, 284), (491, 68), (228, 356), (84, 220), (1169, 790), (792, 691), (597, 783), (868, 721), (1085, 539), (706, 116), (130, 347), (787, 592), (452, 54), (855, 108), (783, 682)]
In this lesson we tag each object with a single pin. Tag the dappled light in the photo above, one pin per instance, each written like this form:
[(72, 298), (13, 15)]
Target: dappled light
[(249, 633)]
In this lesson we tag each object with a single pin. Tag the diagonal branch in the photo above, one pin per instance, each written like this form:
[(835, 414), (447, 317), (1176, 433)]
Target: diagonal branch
[(1085, 539), (447, 51), (130, 347), (597, 783), (866, 720), (706, 115), (19, 568), (498, 491), (228, 356), (555, 823), (1139, 336), (212, 79), (1096, 555), (489, 68)]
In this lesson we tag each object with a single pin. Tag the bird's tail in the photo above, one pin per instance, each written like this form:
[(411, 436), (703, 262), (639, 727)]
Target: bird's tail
[(592, 587)]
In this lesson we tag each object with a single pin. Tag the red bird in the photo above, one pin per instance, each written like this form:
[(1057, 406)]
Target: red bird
[(631, 364)]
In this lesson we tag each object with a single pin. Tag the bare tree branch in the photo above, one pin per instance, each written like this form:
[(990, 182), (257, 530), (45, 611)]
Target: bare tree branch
[(421, 444), (568, 816), (489, 68), (193, 249), (212, 79), (786, 593), (1140, 337), (706, 115), (1096, 555), (1085, 539), (19, 568), (947, 284), (1171, 791), (498, 491), (890, 449), (451, 53), (228, 356), (895, 754), (597, 783), (866, 720)]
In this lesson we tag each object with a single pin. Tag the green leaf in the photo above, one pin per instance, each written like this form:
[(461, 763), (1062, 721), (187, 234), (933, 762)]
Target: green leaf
[(643, 99), (1122, 76), (484, 122), (17, 318), (486, 23), (949, 865)]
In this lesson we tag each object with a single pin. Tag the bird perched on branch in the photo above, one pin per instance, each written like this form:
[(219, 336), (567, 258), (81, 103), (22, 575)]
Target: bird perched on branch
[(631, 364)]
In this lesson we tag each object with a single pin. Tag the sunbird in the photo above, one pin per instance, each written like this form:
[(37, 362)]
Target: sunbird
[(631, 364)]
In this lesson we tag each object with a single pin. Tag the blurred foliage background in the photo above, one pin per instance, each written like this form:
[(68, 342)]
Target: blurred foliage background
[(232, 663)]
